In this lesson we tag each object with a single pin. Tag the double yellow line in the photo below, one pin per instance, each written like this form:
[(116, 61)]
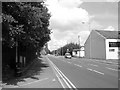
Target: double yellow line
[(65, 82)]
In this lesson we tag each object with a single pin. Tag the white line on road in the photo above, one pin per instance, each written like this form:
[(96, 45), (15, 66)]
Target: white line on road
[(69, 62), (77, 65), (111, 69), (67, 81), (59, 80), (98, 72), (93, 65), (60, 75), (95, 71), (89, 69), (56, 73)]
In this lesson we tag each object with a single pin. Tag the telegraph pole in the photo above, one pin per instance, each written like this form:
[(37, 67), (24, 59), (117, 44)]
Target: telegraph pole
[(89, 28), (79, 44), (16, 51)]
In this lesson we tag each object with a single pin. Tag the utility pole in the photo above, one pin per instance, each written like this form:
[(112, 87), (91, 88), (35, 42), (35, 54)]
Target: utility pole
[(89, 28), (16, 51), (61, 51), (79, 44)]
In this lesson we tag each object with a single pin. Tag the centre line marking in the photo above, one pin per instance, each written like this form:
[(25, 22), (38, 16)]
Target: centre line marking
[(95, 71), (111, 69), (69, 62), (89, 69), (98, 72), (93, 65), (77, 65)]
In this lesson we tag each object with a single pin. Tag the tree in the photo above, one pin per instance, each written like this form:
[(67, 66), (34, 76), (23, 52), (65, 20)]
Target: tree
[(70, 47), (27, 24)]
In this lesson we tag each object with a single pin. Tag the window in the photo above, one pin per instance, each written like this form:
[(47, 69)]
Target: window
[(111, 50), (76, 52), (114, 44)]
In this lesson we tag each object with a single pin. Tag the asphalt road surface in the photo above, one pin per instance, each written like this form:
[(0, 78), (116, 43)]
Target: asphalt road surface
[(84, 73)]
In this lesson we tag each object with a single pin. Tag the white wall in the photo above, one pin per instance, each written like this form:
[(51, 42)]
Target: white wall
[(109, 54), (81, 53)]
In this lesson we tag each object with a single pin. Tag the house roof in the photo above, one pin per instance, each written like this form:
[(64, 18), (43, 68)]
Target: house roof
[(81, 49), (76, 50), (109, 34)]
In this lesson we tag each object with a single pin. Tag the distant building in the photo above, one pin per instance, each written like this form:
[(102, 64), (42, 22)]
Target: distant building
[(102, 44), (79, 52)]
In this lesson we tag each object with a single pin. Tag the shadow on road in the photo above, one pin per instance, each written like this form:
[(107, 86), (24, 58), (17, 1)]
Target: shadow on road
[(36, 68)]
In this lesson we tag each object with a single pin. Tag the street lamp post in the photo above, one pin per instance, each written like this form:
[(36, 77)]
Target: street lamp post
[(89, 28)]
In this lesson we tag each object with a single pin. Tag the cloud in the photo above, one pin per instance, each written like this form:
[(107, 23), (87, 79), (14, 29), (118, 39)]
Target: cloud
[(66, 14), (112, 0), (101, 0), (66, 22), (83, 36), (95, 25), (110, 28), (55, 43), (71, 3)]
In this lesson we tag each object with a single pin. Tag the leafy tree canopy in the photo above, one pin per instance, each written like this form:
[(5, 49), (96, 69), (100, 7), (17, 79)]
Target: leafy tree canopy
[(25, 22), (70, 47)]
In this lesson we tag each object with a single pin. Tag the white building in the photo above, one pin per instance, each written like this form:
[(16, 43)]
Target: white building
[(79, 52), (102, 45)]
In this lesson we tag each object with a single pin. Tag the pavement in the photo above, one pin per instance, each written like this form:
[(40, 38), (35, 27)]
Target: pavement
[(39, 75)]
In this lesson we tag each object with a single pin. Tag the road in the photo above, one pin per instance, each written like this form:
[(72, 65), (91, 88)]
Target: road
[(70, 73), (84, 73)]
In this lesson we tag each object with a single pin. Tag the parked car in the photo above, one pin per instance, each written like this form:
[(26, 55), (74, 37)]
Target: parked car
[(56, 54), (68, 55)]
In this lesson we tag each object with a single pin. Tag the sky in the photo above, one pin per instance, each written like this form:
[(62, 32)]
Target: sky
[(73, 18)]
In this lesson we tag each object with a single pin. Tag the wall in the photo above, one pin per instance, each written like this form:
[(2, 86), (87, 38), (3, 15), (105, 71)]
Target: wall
[(82, 53), (87, 47), (95, 46)]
